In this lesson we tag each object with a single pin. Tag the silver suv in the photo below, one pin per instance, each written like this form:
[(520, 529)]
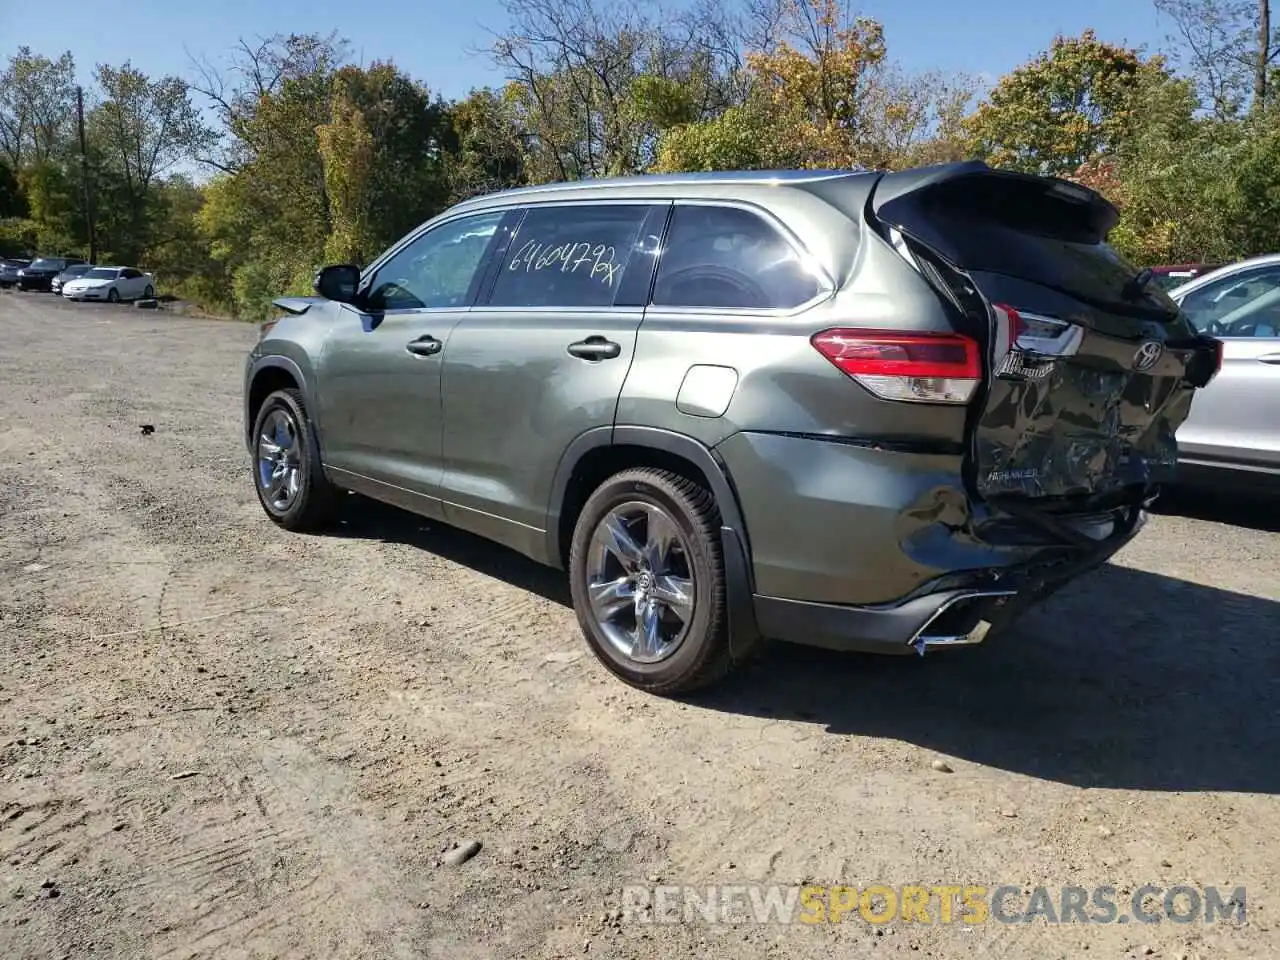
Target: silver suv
[(876, 412)]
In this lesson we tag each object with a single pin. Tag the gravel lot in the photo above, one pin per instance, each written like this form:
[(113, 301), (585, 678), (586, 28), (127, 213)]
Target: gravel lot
[(219, 739)]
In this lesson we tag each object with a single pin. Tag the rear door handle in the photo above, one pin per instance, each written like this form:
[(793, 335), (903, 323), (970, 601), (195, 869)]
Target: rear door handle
[(595, 348), (1269, 358), (425, 346)]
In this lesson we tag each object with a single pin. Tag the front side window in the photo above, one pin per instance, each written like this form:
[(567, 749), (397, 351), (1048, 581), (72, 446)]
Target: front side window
[(1242, 305), (727, 257), (569, 256), (436, 268)]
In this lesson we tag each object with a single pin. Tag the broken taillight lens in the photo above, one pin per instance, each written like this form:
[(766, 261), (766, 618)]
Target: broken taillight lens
[(912, 367)]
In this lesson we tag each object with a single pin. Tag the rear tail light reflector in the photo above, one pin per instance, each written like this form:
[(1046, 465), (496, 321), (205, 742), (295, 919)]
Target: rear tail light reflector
[(911, 367)]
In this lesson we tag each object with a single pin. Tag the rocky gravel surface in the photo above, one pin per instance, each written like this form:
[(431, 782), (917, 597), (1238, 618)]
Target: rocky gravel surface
[(218, 739)]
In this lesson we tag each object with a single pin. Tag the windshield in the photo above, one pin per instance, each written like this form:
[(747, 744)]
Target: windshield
[(76, 269), (102, 273), (44, 263), (1242, 305)]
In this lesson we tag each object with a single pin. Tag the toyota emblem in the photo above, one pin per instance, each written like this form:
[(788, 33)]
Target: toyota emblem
[(1148, 355)]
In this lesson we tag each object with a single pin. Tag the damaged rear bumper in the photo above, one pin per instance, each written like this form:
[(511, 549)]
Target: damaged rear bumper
[(958, 610)]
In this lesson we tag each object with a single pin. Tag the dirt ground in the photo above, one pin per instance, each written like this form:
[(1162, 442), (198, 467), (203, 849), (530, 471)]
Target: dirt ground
[(218, 739)]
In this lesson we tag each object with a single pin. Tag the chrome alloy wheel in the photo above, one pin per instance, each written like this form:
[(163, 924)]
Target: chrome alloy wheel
[(279, 460), (640, 582)]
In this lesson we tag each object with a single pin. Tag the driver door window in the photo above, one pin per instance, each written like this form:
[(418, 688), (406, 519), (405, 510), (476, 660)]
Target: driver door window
[(435, 269), (730, 258), (1243, 305)]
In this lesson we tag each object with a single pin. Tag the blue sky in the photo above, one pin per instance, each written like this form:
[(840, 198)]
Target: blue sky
[(431, 39)]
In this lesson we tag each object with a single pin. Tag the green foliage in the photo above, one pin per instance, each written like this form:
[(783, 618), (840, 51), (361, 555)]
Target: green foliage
[(738, 139), (18, 237), (12, 202), (1063, 108), (318, 160)]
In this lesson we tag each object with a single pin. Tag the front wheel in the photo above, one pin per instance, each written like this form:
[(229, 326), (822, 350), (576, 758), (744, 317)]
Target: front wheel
[(113, 295), (149, 293), (288, 475), (646, 572)]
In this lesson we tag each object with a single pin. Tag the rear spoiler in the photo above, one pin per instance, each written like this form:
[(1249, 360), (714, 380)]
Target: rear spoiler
[(1047, 204)]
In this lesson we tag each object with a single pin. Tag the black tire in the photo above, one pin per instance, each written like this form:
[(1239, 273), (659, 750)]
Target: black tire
[(113, 295), (316, 501), (704, 655), (149, 293)]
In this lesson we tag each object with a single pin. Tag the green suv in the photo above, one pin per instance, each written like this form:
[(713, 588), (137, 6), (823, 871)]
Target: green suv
[(868, 411)]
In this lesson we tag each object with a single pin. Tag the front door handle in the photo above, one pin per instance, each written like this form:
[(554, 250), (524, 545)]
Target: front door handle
[(425, 346), (595, 348), (1269, 358)]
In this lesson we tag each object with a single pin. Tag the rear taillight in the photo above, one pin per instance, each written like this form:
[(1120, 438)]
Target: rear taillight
[(915, 367), (1034, 333)]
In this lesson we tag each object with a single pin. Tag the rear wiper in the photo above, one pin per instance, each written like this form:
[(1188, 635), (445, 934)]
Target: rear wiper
[(1136, 286)]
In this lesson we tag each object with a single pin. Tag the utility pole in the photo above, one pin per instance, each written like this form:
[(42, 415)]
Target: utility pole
[(84, 176), (1263, 60)]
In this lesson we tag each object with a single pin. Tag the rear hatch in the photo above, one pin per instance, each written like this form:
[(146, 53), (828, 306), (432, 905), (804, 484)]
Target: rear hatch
[(1089, 367)]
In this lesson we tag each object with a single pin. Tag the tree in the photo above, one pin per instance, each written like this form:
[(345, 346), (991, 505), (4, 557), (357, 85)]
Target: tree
[(486, 145), (257, 72), (347, 153), (1171, 179), (737, 139), (819, 79), (411, 134), (594, 84), (914, 120), (12, 202), (1066, 107), (144, 127), (37, 102), (1228, 47)]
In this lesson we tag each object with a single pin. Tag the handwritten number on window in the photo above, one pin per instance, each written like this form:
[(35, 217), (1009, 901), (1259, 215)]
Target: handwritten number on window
[(597, 261)]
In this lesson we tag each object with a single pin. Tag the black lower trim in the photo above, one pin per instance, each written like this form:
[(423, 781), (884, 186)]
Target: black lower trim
[(890, 629), (886, 630), (744, 631)]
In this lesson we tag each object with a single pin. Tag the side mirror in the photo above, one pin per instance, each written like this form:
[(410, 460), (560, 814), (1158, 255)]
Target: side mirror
[(338, 282)]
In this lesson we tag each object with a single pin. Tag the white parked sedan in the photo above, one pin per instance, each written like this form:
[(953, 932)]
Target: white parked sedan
[(112, 284)]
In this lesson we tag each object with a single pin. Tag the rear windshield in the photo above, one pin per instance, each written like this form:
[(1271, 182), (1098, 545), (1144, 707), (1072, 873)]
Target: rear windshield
[(1022, 228)]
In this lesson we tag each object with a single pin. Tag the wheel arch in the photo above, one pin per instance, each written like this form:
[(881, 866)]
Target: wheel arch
[(603, 451), (266, 376)]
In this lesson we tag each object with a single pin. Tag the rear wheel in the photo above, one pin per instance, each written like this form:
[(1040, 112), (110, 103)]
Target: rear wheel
[(646, 572), (149, 293), (288, 475)]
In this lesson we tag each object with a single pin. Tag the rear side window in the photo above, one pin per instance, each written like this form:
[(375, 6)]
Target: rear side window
[(569, 256), (730, 258)]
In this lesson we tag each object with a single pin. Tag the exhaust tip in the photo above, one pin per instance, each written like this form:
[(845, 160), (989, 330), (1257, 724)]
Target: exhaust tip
[(962, 621)]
